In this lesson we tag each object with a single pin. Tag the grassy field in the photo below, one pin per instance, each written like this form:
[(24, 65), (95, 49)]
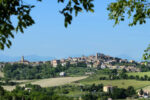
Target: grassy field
[(1, 74), (139, 73), (120, 83), (49, 82), (57, 81), (88, 81), (147, 88)]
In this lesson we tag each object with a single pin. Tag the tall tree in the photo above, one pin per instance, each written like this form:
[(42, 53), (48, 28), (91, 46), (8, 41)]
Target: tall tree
[(146, 55), (21, 10), (138, 10)]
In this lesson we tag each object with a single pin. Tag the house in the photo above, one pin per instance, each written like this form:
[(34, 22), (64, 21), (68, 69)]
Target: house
[(89, 65), (109, 98), (64, 63), (89, 73), (122, 67), (62, 74), (75, 59), (108, 88), (55, 63), (28, 89), (132, 69), (103, 66), (2, 65), (132, 61), (73, 63), (123, 61), (62, 60), (145, 94)]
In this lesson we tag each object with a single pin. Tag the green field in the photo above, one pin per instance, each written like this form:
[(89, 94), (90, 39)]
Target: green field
[(141, 74), (50, 82), (120, 83), (1, 74)]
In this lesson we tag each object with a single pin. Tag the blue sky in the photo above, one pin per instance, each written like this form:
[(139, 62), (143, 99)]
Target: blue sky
[(89, 33)]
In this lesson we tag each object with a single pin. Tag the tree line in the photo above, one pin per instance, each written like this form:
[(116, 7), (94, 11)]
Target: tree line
[(22, 71), (93, 92)]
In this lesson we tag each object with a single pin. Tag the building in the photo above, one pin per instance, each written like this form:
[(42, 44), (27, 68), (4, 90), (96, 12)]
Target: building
[(89, 65), (108, 88), (28, 89), (55, 63), (103, 66), (132, 61), (2, 66), (98, 55), (62, 74), (145, 94), (132, 69), (23, 61), (89, 73)]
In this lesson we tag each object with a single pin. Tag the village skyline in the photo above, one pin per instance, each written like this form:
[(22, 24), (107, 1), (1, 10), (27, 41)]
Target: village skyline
[(32, 58), (89, 33)]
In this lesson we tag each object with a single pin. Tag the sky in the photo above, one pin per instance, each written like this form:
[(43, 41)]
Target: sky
[(89, 33)]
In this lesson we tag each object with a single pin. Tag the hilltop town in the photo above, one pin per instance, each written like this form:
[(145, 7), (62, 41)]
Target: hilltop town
[(94, 61), (99, 74)]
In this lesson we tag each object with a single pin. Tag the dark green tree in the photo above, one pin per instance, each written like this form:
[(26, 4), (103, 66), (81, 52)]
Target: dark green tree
[(146, 55), (141, 92), (137, 77), (1, 91), (137, 10), (21, 10), (130, 91)]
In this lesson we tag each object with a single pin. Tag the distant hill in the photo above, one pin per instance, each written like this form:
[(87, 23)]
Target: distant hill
[(31, 58)]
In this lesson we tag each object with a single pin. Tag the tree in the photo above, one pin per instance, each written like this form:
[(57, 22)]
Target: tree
[(145, 77), (21, 10), (130, 91), (1, 91), (141, 92), (124, 70), (146, 55), (114, 72), (139, 10), (137, 77)]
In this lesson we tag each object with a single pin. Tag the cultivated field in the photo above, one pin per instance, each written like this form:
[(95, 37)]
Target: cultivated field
[(139, 73), (57, 81), (1, 74), (120, 83), (50, 82), (147, 88)]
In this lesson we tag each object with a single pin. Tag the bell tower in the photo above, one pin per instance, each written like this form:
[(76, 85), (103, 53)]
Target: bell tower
[(22, 59), (98, 55)]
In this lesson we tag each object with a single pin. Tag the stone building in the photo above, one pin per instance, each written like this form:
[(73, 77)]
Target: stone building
[(108, 88), (62, 74), (55, 63), (23, 61)]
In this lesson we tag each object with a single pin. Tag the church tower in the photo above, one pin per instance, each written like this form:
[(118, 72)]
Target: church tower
[(22, 59), (98, 55)]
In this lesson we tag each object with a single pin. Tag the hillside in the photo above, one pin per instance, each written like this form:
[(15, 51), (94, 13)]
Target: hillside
[(48, 82)]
